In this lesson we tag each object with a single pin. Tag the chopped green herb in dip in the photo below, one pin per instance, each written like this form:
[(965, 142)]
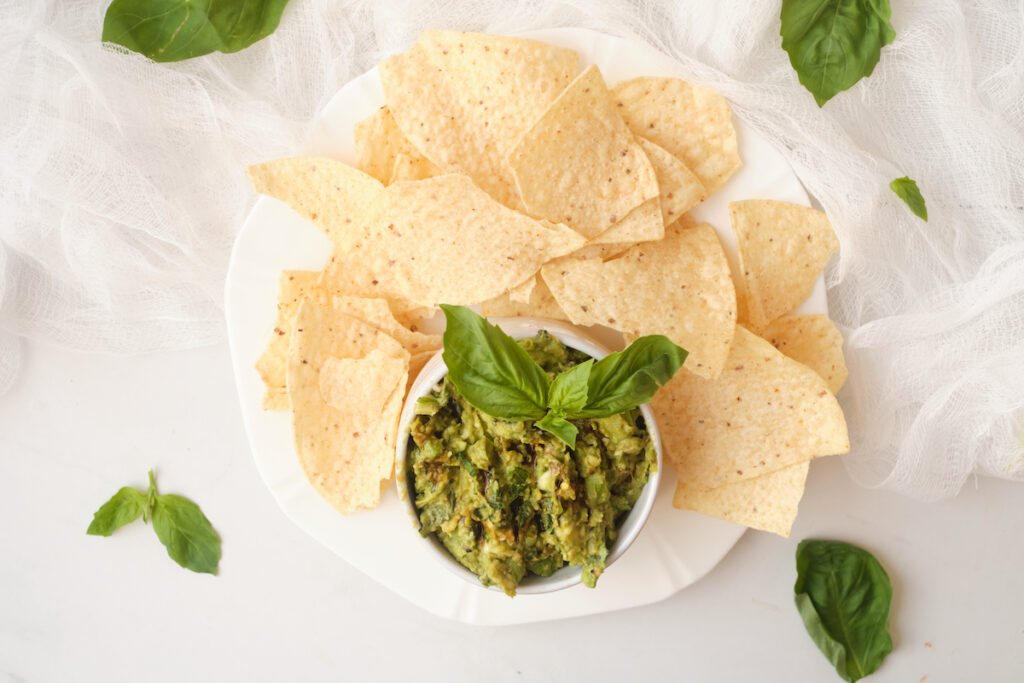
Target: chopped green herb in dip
[(507, 499)]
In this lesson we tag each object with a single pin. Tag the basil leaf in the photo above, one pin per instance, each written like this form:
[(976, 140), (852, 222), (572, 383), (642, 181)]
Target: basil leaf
[(124, 507), (490, 370), (568, 393), (907, 190), (560, 427), (832, 44), (172, 30), (623, 380), (186, 533), (843, 595)]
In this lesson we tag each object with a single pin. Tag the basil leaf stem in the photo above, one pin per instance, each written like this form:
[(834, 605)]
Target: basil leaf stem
[(179, 524)]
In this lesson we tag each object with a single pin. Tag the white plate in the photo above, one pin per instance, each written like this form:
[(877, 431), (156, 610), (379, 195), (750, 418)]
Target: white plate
[(675, 548)]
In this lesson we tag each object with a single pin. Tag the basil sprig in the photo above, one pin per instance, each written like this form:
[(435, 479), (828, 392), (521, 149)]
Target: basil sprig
[(172, 30), (907, 190), (496, 375), (832, 44), (179, 524), (843, 595)]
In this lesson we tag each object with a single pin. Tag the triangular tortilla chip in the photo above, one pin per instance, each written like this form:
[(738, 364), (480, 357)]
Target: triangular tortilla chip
[(679, 188), (692, 123), (578, 164), (541, 305), (768, 502), (604, 252), (296, 285), (520, 294), (764, 412), (783, 248), (479, 249), (814, 341), (293, 287), (376, 312), (407, 313), (679, 287), (380, 144), (340, 200), (463, 99), (346, 446), (408, 167), (645, 223)]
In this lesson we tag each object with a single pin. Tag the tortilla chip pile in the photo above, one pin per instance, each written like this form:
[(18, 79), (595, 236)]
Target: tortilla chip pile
[(500, 174)]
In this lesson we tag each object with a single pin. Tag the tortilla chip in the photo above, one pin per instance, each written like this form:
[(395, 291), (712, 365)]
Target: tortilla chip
[(407, 313), (768, 502), (814, 341), (679, 287), (765, 412), (520, 294), (541, 305), (692, 123), (643, 224), (346, 447), (416, 363), (478, 248), (408, 167), (340, 200), (679, 188), (464, 99), (380, 145), (293, 286), (783, 248), (578, 164), (376, 312), (605, 252), (341, 393)]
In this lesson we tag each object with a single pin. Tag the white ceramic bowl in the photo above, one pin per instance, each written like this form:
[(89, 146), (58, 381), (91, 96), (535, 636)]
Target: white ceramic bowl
[(435, 370)]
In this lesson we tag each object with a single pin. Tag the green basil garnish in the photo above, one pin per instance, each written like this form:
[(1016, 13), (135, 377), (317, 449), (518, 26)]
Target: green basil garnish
[(490, 369), (843, 595), (179, 524), (907, 190), (495, 375), (172, 30), (832, 44), (625, 379)]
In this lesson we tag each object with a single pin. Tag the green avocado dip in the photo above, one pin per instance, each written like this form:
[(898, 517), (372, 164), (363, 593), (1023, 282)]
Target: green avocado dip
[(508, 499)]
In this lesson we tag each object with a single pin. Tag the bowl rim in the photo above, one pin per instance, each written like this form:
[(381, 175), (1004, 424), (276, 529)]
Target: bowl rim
[(434, 370)]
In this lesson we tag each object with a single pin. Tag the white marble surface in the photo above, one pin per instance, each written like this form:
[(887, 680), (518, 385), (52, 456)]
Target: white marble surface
[(80, 608)]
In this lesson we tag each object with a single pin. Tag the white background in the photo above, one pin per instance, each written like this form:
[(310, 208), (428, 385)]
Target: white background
[(80, 608)]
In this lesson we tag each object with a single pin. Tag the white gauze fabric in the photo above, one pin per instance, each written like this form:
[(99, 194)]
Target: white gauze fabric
[(121, 188)]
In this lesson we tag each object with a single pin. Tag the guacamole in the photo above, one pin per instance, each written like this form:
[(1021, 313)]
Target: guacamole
[(507, 499)]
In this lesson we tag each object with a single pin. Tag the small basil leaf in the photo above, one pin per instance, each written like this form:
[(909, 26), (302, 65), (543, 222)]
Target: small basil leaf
[(186, 533), (561, 428), (843, 595), (172, 30), (907, 190), (490, 370), (832, 44), (568, 393), (124, 507), (626, 379)]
